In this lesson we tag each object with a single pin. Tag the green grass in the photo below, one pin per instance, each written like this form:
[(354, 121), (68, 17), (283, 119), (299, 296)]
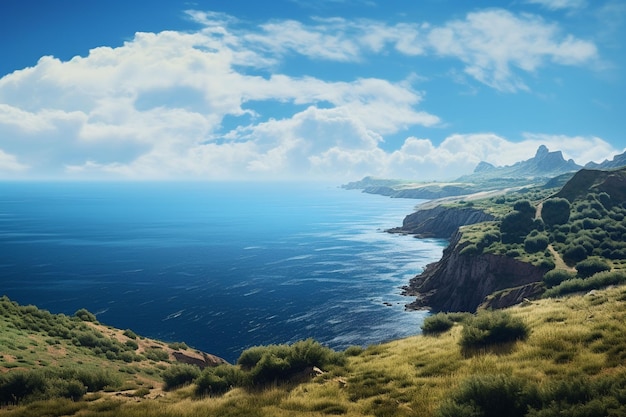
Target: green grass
[(574, 350)]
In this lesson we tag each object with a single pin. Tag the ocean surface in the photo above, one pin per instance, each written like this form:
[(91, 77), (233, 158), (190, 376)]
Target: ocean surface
[(220, 266)]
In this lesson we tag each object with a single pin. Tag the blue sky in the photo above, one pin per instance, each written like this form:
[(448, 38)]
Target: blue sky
[(293, 89)]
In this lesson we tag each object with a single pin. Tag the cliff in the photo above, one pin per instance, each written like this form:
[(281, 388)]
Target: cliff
[(440, 222), (461, 282)]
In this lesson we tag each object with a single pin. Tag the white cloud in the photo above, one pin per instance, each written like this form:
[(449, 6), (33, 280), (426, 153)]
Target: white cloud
[(9, 164), (496, 44), (194, 105), (560, 4)]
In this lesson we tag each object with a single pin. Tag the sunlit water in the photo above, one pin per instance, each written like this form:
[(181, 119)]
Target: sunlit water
[(219, 266)]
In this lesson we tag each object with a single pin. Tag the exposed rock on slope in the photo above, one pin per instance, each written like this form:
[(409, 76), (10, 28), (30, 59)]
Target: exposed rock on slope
[(587, 180), (441, 222), (462, 282)]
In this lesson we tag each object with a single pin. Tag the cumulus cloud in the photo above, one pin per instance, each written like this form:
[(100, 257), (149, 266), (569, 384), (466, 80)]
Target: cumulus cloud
[(194, 104), (495, 44)]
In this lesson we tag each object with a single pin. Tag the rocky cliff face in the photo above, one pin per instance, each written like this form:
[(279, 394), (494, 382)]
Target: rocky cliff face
[(441, 222), (462, 282)]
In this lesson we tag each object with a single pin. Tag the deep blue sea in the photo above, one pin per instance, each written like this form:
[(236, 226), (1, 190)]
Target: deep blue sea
[(220, 266)]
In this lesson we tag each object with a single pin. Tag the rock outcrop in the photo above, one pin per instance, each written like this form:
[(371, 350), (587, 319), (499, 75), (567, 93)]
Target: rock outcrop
[(440, 221), (199, 359), (462, 282)]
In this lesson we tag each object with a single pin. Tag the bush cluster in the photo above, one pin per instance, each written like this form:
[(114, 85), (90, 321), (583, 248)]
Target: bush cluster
[(437, 323), (488, 328), (505, 395), (595, 282), (23, 386), (178, 375), (260, 366)]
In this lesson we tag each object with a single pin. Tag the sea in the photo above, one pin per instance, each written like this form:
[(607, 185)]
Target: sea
[(219, 266)]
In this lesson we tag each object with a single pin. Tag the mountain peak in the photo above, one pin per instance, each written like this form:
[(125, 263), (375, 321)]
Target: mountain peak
[(542, 151)]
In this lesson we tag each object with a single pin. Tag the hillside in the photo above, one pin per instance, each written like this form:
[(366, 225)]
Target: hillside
[(551, 357), (570, 233)]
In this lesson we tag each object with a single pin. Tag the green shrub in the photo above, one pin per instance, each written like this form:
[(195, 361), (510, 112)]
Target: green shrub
[(178, 375), (537, 243), (574, 254), (555, 211), (130, 334), (591, 266), (491, 396), (85, 315), (437, 323), (353, 351), (275, 363), (218, 380), (556, 276), (156, 354), (470, 250), (178, 346), (487, 328), (597, 281)]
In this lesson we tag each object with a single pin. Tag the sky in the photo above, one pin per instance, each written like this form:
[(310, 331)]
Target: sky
[(305, 90)]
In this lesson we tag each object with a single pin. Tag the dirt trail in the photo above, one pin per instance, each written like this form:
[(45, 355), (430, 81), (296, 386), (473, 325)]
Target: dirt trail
[(558, 260)]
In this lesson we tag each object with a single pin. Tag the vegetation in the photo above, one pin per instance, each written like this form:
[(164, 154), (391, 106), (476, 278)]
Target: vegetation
[(562, 355), (555, 357)]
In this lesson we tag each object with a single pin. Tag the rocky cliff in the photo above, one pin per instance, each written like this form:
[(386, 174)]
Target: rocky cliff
[(462, 282), (440, 221)]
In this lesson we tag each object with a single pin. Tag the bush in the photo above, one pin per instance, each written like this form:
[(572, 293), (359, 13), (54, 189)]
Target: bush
[(491, 395), (555, 211), (438, 323), (597, 281), (537, 243), (274, 363), (178, 375), (555, 277), (156, 354), (591, 266), (487, 328), (574, 254), (130, 334), (218, 380), (85, 315)]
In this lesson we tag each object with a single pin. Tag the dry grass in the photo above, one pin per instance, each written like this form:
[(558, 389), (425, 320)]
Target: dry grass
[(578, 336)]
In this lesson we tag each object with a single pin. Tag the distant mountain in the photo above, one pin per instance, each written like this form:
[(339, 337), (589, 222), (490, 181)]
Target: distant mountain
[(544, 164), (617, 162)]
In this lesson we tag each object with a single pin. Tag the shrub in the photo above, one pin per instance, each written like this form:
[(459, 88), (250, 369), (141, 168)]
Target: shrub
[(556, 276), (218, 380), (555, 211), (438, 323), (591, 266), (274, 363), (178, 375), (574, 254), (85, 315), (491, 395), (178, 346), (492, 327), (470, 250), (130, 334), (536, 243), (157, 355), (597, 281)]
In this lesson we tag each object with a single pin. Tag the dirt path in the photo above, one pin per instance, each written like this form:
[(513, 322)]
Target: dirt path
[(558, 261)]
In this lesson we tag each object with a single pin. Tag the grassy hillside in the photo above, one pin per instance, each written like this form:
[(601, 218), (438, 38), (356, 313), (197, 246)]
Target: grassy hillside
[(568, 360)]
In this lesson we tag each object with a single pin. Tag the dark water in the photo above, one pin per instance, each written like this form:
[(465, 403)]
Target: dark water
[(219, 266)]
